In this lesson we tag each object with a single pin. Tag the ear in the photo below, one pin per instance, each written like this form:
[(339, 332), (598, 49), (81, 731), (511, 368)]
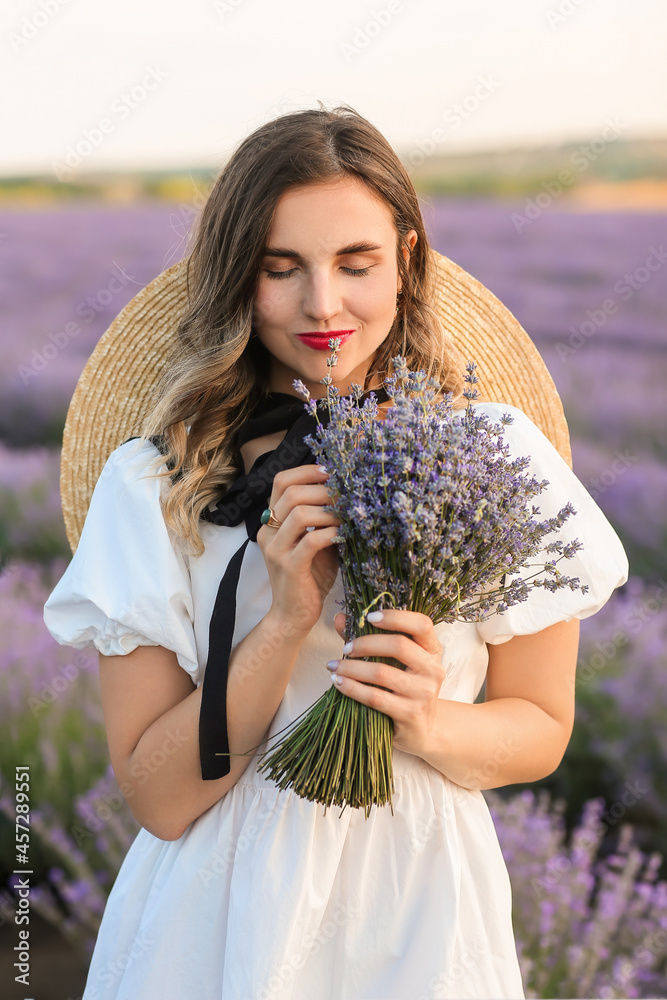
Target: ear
[(410, 239)]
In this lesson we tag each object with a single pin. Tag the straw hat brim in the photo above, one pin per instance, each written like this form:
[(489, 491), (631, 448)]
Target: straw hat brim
[(114, 393)]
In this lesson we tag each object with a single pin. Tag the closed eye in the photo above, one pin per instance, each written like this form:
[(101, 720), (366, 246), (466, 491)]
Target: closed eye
[(357, 272)]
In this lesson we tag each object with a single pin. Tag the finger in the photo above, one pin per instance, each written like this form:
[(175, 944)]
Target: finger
[(304, 516), (300, 495), (300, 476), (312, 542), (299, 523), (300, 537), (419, 626), (394, 705), (382, 675), (416, 658)]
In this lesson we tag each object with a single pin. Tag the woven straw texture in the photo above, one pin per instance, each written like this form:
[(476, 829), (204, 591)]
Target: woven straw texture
[(114, 392)]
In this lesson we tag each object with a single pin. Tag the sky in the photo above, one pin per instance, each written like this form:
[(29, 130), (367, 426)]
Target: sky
[(168, 83)]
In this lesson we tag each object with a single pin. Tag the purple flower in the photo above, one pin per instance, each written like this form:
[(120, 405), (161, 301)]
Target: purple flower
[(436, 491)]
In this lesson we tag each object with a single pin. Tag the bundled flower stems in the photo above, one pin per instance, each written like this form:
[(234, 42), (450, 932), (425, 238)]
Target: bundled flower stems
[(435, 518)]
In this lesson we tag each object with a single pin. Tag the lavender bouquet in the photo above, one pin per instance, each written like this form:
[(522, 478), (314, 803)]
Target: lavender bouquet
[(435, 518)]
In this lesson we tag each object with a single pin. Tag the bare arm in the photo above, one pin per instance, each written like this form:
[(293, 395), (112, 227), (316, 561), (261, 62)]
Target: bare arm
[(151, 707), (522, 729), (151, 711)]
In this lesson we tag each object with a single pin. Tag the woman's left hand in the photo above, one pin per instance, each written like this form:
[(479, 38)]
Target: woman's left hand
[(412, 694)]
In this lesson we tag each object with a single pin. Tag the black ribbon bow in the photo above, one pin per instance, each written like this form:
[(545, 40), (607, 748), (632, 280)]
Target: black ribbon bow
[(245, 500)]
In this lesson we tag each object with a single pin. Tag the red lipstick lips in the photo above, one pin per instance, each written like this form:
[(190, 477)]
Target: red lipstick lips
[(320, 341)]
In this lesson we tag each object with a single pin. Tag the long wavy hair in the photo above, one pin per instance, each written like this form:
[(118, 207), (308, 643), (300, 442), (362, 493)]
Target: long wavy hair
[(217, 370)]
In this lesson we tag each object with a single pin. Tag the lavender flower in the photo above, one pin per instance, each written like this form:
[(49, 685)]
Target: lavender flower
[(585, 925), (437, 490), (435, 517)]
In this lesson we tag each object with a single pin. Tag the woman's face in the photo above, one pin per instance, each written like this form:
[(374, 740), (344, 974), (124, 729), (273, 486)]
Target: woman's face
[(329, 270)]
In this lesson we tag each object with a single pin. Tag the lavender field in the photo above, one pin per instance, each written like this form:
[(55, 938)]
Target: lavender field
[(585, 847)]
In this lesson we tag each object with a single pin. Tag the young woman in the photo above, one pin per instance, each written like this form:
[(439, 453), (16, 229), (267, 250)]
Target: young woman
[(234, 889)]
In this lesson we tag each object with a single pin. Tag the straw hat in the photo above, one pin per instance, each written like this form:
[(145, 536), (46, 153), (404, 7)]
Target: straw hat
[(113, 394)]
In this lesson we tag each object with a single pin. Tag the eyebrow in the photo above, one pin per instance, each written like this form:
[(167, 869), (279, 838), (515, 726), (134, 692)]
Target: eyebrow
[(343, 252)]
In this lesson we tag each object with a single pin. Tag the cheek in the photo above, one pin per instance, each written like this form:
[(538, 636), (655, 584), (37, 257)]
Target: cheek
[(271, 302), (377, 303)]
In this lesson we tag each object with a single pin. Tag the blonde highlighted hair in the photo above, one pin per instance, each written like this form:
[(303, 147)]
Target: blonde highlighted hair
[(217, 370)]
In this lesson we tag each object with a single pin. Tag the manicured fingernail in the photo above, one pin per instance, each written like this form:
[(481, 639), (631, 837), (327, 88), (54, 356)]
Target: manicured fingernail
[(375, 616), (332, 664), (347, 648), (320, 468), (311, 527), (335, 679)]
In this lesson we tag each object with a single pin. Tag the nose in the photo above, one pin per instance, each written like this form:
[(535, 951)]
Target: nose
[(321, 296)]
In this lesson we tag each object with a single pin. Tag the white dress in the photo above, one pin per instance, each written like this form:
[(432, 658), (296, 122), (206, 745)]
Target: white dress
[(266, 896)]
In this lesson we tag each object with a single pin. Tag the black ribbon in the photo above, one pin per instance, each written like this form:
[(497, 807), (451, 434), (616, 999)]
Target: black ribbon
[(245, 500)]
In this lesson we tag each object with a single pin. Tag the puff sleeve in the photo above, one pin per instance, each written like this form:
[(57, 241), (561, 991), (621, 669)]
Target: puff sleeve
[(127, 584), (601, 563)]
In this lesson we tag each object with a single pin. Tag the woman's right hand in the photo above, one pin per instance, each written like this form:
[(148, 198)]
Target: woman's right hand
[(302, 564)]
